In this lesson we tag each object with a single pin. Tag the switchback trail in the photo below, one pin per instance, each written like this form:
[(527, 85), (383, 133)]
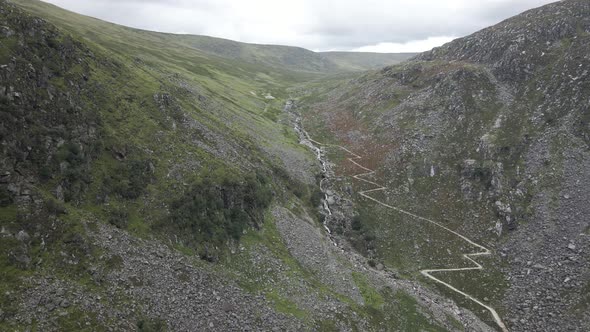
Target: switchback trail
[(427, 273)]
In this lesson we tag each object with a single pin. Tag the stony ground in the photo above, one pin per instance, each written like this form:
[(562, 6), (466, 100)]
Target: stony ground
[(549, 255), (151, 280)]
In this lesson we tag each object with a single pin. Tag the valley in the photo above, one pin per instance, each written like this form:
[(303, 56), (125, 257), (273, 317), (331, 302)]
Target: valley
[(161, 182)]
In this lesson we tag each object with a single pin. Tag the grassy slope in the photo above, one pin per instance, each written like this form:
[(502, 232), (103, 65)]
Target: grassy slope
[(216, 123), (293, 58), (274, 56), (170, 49)]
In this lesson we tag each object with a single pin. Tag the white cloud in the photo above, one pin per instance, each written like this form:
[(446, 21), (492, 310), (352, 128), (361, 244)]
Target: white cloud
[(409, 25), (411, 46)]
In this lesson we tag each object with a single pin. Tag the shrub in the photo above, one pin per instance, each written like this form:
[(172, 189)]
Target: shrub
[(356, 223), (119, 218), (54, 207), (218, 208), (151, 325), (129, 179), (316, 197), (45, 173), (5, 197)]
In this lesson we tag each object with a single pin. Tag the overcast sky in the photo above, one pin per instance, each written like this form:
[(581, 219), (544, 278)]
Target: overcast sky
[(366, 25)]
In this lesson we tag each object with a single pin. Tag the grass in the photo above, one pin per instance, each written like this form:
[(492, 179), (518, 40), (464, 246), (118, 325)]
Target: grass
[(456, 324), (6, 45), (270, 238), (381, 308), (584, 303), (78, 320), (371, 296), (488, 285), (410, 317), (8, 214), (285, 306), (263, 278), (134, 68), (267, 60), (12, 277)]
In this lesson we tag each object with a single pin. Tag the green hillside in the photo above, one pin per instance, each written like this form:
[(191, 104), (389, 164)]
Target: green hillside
[(279, 58)]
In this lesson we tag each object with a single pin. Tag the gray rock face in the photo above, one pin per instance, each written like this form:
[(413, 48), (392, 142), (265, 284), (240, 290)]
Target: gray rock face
[(554, 243), (29, 155), (23, 237), (517, 47), (331, 200), (308, 243)]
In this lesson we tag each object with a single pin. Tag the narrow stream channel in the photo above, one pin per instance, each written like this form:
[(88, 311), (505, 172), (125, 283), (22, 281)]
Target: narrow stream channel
[(305, 139)]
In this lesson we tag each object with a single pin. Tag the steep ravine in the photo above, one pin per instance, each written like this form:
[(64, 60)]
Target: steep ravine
[(381, 273)]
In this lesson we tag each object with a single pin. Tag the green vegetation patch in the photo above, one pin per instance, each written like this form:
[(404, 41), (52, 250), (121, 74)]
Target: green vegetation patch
[(129, 179), (370, 295), (584, 304), (218, 208), (80, 320), (11, 273), (7, 46), (285, 306), (151, 325), (410, 317)]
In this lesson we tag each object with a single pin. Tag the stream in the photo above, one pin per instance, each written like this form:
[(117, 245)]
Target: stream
[(305, 139)]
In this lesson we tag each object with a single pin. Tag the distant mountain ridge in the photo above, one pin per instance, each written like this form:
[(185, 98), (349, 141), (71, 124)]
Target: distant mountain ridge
[(366, 60), (274, 56)]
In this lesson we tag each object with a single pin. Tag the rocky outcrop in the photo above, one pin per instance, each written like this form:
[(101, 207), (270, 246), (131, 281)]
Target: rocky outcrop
[(517, 47), (37, 144)]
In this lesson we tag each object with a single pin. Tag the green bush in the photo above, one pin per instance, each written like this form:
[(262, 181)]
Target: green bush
[(129, 179), (119, 218), (316, 197), (55, 207), (76, 176), (5, 197), (218, 208), (151, 325), (361, 234), (356, 223)]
